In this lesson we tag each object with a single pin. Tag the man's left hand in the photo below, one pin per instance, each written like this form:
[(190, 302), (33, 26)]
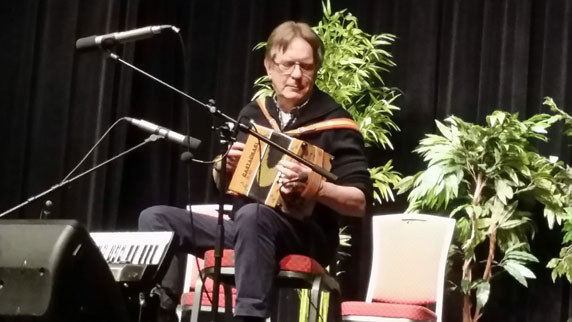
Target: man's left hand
[(293, 177)]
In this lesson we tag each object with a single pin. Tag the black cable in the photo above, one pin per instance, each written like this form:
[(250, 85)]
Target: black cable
[(188, 130), (299, 179), (223, 172), (93, 148), (46, 208), (186, 69), (151, 138), (189, 197)]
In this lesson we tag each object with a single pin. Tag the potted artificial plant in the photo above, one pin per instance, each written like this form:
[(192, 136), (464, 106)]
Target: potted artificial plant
[(481, 175)]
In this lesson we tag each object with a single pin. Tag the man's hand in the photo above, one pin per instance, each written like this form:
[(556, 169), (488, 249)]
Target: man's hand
[(346, 200), (233, 156), (294, 177), (231, 162)]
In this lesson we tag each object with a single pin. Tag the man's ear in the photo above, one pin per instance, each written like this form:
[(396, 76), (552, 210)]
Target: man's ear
[(267, 66)]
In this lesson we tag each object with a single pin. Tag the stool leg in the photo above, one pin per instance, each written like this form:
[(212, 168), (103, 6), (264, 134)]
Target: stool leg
[(197, 301), (337, 305), (315, 299), (228, 302)]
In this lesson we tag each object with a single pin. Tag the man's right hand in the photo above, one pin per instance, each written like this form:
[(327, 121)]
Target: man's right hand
[(233, 156)]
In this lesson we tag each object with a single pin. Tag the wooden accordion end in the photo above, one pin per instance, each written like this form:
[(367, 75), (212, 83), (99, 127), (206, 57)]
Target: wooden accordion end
[(256, 175)]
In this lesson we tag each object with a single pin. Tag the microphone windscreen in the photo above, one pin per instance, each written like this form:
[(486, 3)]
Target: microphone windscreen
[(192, 142), (85, 43), (186, 156), (303, 177)]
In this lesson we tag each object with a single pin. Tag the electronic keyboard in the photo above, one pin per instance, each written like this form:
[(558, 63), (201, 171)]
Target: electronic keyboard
[(135, 256)]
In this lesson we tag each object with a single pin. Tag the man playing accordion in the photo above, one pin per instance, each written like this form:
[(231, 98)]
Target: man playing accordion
[(262, 235)]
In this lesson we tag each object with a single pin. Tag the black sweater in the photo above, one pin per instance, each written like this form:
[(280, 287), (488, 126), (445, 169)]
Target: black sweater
[(345, 145)]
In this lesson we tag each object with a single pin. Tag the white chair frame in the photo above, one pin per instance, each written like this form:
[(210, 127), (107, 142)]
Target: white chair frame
[(401, 232)]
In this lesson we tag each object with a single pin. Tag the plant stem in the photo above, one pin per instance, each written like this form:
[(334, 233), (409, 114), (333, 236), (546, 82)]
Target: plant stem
[(467, 303), (478, 189), (488, 268), (467, 308), (491, 257), (492, 242), (467, 266)]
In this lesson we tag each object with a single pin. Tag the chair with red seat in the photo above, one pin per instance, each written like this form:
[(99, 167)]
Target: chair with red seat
[(190, 303), (408, 270), (296, 271), (194, 283)]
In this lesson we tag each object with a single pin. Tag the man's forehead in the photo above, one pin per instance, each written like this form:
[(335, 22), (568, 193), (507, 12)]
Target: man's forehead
[(300, 52)]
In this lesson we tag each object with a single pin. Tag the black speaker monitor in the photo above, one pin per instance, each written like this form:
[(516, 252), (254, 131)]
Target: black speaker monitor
[(50, 270)]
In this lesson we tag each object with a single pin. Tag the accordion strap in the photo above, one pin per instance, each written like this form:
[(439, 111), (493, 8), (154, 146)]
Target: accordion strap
[(262, 104), (337, 123)]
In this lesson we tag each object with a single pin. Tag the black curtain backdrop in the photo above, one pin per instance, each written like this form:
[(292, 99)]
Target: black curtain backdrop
[(465, 58)]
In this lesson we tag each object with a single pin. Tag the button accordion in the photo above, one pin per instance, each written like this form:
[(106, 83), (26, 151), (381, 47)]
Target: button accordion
[(256, 175)]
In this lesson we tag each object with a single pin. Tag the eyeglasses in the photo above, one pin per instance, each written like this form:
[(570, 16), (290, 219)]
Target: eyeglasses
[(287, 67)]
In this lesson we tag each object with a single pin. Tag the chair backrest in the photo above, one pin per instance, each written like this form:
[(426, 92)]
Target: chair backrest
[(409, 259)]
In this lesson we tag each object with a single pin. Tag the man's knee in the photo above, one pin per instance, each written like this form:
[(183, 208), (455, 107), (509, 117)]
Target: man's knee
[(255, 217), (152, 219)]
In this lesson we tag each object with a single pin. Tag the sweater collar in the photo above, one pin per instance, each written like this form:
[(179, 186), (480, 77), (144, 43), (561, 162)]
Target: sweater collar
[(317, 105)]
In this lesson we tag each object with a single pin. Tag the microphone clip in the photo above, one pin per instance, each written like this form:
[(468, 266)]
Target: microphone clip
[(227, 132)]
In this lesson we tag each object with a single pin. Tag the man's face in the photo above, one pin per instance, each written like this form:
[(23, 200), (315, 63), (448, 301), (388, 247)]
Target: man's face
[(292, 72)]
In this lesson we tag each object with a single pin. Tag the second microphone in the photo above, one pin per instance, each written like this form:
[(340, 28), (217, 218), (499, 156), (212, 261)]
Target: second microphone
[(185, 140)]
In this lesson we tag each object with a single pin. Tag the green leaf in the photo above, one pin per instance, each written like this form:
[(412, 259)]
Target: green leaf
[(521, 256), (519, 272), (501, 117), (444, 130), (483, 291), (503, 190), (510, 224), (512, 175)]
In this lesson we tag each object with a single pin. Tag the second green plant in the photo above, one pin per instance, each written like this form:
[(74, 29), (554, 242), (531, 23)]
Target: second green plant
[(482, 175)]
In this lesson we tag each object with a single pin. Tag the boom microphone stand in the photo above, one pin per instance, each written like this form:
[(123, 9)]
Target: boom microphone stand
[(237, 127), (242, 127), (225, 143), (151, 138)]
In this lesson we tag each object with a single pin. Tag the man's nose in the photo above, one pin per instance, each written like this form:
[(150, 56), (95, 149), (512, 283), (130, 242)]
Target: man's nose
[(296, 72)]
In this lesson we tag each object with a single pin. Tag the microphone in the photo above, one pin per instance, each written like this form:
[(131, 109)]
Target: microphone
[(303, 177), (172, 136), (112, 39)]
